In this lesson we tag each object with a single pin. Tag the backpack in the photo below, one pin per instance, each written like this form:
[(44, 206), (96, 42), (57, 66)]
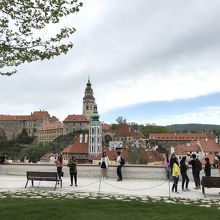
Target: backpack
[(122, 162), (103, 165)]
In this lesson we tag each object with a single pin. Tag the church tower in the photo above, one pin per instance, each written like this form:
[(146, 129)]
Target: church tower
[(88, 101), (95, 134)]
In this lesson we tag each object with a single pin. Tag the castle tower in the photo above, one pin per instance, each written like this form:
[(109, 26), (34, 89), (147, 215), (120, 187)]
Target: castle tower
[(95, 134), (88, 101)]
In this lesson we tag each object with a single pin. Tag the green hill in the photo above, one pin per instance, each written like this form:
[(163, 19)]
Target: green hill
[(193, 128)]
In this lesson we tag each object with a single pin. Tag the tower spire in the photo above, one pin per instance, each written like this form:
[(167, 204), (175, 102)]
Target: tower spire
[(88, 100)]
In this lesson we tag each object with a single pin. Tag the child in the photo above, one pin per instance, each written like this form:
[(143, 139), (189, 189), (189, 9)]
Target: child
[(207, 168)]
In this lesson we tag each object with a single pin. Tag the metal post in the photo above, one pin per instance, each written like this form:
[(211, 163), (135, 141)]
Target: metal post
[(99, 185)]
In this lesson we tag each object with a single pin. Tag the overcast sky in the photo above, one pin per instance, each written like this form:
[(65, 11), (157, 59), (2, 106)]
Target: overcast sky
[(150, 61)]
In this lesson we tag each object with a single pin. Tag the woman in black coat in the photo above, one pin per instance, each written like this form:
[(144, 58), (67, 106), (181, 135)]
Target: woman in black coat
[(183, 171), (73, 170)]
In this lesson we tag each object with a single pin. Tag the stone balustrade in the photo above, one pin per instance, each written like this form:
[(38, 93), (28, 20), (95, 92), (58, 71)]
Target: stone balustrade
[(94, 171)]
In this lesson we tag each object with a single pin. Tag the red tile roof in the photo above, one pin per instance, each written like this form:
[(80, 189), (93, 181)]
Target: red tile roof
[(47, 156), (40, 115), (209, 146), (112, 154), (126, 130), (76, 118), (55, 126), (177, 136), (153, 156), (78, 147), (106, 127), (14, 117), (37, 115), (182, 149)]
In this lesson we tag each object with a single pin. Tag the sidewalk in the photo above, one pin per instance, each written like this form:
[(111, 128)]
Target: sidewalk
[(137, 187)]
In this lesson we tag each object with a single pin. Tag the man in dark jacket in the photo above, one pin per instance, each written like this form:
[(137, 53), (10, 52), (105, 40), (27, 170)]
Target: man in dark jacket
[(196, 167)]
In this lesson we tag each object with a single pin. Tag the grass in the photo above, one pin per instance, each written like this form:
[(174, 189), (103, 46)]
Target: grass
[(86, 208)]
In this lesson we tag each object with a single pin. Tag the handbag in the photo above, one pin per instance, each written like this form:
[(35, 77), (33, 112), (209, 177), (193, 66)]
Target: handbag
[(103, 165)]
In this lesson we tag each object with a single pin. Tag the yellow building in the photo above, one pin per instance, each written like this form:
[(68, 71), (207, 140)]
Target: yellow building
[(48, 133)]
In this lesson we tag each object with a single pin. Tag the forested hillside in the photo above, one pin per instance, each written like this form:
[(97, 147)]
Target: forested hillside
[(193, 128)]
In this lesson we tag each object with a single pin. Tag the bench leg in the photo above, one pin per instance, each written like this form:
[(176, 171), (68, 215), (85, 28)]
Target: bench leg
[(55, 186), (32, 183), (26, 184), (61, 183)]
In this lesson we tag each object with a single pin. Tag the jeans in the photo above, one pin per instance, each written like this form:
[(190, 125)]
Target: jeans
[(196, 177), (59, 172), (175, 183), (75, 178), (119, 172), (185, 179)]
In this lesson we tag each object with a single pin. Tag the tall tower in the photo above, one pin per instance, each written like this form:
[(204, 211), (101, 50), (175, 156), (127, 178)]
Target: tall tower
[(88, 101), (95, 134)]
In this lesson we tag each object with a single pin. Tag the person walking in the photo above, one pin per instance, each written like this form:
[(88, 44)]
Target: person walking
[(196, 168), (167, 165), (119, 166), (175, 174), (183, 171), (104, 165), (59, 165), (73, 170)]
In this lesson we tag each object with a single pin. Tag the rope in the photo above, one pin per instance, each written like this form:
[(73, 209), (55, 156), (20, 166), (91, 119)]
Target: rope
[(88, 184), (141, 189), (135, 189)]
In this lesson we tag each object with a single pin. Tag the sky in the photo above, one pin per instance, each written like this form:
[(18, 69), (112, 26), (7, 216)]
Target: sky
[(149, 61)]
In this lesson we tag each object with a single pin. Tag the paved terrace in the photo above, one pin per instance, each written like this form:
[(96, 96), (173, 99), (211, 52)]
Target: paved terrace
[(136, 182)]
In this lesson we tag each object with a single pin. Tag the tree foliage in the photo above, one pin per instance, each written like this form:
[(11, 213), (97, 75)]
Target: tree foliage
[(34, 153), (23, 138), (120, 120), (20, 24), (136, 155), (152, 128)]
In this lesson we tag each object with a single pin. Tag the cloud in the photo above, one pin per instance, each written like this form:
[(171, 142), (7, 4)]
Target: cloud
[(134, 52), (207, 115)]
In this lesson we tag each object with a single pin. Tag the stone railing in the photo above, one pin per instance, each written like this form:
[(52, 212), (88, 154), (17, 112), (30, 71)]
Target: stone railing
[(94, 171)]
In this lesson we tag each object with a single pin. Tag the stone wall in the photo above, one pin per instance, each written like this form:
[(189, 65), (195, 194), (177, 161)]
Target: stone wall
[(94, 171)]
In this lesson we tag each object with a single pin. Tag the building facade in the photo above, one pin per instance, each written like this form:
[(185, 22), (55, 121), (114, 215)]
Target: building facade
[(95, 134), (48, 133), (12, 125)]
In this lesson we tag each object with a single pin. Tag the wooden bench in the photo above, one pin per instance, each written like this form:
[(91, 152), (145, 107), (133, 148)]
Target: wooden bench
[(210, 182), (43, 176)]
